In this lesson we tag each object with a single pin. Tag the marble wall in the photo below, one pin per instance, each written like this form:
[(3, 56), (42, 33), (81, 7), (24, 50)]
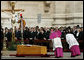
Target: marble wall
[(70, 13)]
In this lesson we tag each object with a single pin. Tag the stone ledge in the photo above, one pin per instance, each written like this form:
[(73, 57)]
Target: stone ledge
[(7, 53)]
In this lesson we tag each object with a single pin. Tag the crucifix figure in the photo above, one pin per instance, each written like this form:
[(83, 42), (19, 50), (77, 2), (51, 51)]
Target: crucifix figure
[(12, 10)]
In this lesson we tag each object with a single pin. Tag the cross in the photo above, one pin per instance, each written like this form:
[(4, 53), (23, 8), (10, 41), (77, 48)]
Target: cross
[(12, 10)]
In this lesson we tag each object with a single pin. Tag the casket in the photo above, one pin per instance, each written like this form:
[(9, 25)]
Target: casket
[(34, 49)]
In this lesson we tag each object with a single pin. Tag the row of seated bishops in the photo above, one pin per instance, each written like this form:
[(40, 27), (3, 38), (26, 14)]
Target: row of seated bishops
[(42, 33)]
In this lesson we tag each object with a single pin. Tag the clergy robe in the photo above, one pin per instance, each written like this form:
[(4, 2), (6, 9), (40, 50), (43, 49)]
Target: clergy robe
[(73, 45), (55, 36), (71, 40), (57, 45)]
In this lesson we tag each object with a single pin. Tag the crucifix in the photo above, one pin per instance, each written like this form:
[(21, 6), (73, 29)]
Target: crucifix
[(12, 10)]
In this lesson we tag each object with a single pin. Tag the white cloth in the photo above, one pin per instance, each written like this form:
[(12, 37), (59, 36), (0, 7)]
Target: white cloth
[(56, 43), (71, 40)]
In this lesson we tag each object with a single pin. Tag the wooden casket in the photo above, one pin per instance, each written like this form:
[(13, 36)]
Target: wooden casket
[(34, 49)]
